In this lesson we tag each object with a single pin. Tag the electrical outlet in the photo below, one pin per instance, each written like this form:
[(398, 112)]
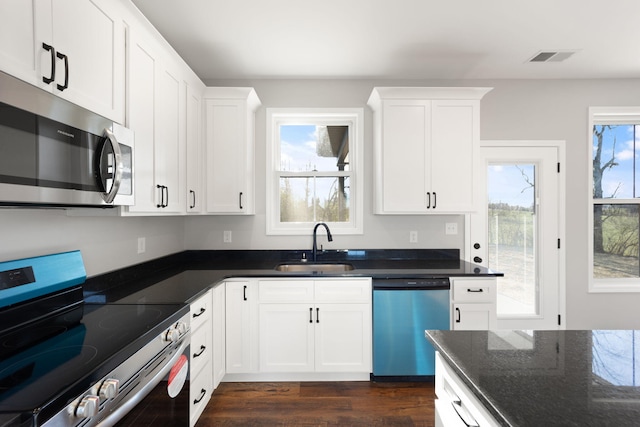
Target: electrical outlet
[(227, 236), (451, 228), (142, 245), (413, 236)]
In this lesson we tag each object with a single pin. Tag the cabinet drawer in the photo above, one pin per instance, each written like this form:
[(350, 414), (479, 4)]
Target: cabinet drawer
[(200, 351), (343, 291), (199, 394), (473, 290), (283, 291), (200, 311)]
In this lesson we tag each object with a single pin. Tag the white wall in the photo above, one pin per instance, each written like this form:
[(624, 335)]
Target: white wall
[(107, 243), (514, 109)]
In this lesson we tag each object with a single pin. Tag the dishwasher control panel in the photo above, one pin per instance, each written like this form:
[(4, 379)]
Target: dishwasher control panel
[(412, 284)]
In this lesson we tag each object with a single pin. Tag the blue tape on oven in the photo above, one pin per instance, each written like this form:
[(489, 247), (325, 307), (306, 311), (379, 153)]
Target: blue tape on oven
[(51, 273)]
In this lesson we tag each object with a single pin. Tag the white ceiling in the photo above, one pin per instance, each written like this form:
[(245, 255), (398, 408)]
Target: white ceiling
[(400, 39)]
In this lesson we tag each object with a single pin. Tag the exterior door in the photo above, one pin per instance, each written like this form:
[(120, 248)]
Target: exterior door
[(518, 231)]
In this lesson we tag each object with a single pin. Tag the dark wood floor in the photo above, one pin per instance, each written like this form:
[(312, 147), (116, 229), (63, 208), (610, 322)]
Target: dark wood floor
[(321, 404)]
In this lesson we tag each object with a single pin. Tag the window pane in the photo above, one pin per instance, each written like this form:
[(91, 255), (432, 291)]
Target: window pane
[(305, 148), (312, 199), (615, 241), (615, 169), (512, 230)]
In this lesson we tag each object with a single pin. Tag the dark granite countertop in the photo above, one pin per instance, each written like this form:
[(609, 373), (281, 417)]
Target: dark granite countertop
[(181, 277), (549, 378)]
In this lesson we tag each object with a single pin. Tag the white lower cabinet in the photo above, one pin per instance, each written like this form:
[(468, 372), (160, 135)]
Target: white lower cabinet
[(473, 303), (200, 355), (309, 326), (456, 405), (241, 326)]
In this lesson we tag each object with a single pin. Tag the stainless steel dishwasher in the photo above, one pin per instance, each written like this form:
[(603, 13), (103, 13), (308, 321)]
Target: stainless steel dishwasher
[(402, 310)]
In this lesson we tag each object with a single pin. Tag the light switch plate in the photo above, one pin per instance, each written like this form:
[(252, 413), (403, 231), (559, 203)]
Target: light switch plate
[(413, 236), (227, 236)]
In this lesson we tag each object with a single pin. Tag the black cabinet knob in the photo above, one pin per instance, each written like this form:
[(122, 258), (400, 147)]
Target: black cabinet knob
[(476, 245), (477, 259)]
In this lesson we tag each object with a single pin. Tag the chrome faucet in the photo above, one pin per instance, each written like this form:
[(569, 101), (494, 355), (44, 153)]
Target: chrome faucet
[(314, 252)]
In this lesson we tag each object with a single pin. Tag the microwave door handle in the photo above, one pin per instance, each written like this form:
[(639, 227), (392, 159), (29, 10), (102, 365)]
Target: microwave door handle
[(117, 166)]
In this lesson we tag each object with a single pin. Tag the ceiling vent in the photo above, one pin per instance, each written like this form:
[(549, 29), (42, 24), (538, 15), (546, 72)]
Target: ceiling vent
[(552, 56)]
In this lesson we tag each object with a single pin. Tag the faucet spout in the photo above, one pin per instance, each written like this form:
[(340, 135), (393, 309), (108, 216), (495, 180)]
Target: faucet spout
[(314, 251)]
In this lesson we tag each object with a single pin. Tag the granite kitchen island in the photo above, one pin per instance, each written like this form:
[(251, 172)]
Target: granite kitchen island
[(547, 378)]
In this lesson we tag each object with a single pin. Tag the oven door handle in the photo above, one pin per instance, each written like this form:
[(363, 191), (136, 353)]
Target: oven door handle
[(139, 395), (110, 194)]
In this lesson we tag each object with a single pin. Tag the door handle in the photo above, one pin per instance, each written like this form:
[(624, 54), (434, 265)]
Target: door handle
[(52, 74), (435, 200), (244, 293), (203, 393), (198, 354), (457, 315), (429, 200), (240, 200), (193, 198), (161, 204), (65, 58), (317, 315), (200, 313), (118, 167), (310, 314)]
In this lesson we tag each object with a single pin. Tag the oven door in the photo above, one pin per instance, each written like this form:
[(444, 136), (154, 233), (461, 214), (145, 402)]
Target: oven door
[(167, 404)]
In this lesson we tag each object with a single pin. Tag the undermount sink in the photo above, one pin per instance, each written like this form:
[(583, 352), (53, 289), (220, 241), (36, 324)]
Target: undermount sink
[(314, 267)]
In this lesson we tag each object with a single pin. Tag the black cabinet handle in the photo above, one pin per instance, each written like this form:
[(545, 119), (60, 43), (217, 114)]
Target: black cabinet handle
[(428, 200), (317, 315), (479, 290), (52, 74), (203, 393), (435, 200), (198, 354), (244, 293), (161, 204), (200, 313), (193, 198), (65, 58), (167, 202), (457, 315), (310, 314), (240, 200)]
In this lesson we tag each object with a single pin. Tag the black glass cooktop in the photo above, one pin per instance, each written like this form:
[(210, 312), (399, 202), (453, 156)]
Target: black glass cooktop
[(37, 381)]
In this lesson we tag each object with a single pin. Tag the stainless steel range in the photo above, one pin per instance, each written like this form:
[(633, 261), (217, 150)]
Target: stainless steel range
[(67, 363)]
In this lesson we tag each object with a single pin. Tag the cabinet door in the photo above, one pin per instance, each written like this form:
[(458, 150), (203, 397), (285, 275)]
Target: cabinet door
[(195, 195), (218, 330), (406, 131), (455, 126), (286, 337), (91, 35), (473, 317), (226, 156), (343, 337), (19, 55), (241, 327), (168, 143)]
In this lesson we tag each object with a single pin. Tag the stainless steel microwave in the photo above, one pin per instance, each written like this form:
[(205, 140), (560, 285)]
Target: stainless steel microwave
[(55, 153)]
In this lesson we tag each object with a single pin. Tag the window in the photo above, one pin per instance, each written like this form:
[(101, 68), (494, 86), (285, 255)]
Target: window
[(314, 167), (615, 211)]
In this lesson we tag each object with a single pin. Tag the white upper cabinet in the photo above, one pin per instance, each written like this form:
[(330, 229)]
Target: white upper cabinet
[(155, 100), (425, 145), (195, 162), (229, 122), (73, 49)]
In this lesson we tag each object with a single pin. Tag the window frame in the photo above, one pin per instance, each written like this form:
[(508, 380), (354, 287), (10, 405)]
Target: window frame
[(611, 116), (352, 117)]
